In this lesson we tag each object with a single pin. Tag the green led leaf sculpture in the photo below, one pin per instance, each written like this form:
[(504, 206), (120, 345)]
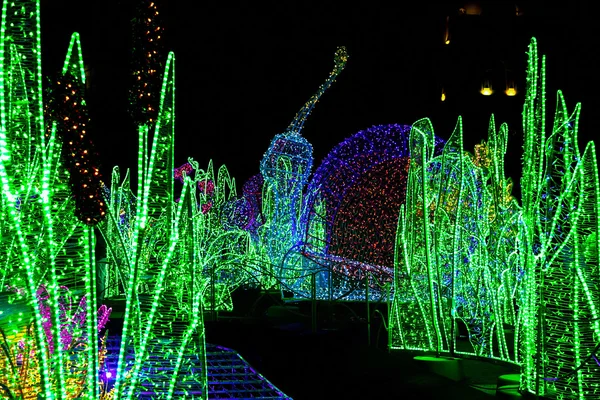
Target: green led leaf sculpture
[(522, 283), (142, 233), (560, 249), (170, 260), (219, 250), (456, 244), (414, 319), (43, 244)]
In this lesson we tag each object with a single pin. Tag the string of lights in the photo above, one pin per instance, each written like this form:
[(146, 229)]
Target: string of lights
[(147, 62)]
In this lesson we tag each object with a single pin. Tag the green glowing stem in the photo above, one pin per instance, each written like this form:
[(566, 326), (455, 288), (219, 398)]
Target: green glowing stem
[(428, 265), (133, 265), (31, 285), (400, 242), (4, 152), (576, 332), (58, 356), (589, 160), (141, 351), (75, 45), (195, 315), (456, 244), (91, 315)]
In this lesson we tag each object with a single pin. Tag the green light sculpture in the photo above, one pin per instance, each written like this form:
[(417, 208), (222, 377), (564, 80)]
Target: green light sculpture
[(455, 260), (559, 249), (171, 260), (414, 322), (43, 243), (150, 247), (219, 249), (523, 282)]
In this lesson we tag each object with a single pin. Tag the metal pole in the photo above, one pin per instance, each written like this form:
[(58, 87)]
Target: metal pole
[(330, 301), (213, 294), (387, 289), (368, 310), (314, 303)]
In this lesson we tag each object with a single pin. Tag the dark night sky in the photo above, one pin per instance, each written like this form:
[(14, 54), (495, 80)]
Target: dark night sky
[(242, 72)]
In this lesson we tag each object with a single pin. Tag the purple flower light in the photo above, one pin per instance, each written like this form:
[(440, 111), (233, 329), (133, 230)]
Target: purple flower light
[(70, 320)]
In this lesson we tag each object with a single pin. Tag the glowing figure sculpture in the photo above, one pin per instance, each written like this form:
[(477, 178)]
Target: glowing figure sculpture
[(351, 214), (285, 168), (559, 236)]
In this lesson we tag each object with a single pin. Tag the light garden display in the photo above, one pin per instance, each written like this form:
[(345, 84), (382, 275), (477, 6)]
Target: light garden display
[(51, 346), (521, 282), (152, 257), (393, 213), (220, 250), (19, 362)]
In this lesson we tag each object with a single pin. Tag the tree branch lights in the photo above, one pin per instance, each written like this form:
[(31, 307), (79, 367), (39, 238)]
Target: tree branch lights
[(560, 215)]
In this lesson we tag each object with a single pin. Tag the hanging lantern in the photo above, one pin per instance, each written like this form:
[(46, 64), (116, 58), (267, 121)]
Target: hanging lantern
[(486, 88), (447, 32), (511, 89), (443, 95), (518, 11), (471, 8)]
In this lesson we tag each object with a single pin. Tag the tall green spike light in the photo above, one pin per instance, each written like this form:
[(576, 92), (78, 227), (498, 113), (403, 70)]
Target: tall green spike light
[(51, 253), (560, 232)]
